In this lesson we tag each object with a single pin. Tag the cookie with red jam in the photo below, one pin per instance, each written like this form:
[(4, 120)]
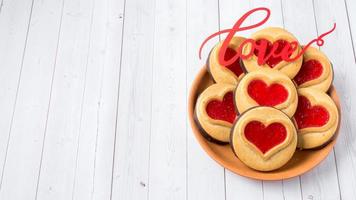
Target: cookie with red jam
[(231, 74), (316, 118), (266, 87), (215, 112), (267, 38), (316, 71), (264, 138)]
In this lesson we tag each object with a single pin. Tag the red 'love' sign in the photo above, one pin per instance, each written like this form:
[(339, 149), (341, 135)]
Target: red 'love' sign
[(261, 46)]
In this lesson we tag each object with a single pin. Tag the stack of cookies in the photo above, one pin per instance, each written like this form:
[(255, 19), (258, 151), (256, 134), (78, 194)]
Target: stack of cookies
[(265, 112)]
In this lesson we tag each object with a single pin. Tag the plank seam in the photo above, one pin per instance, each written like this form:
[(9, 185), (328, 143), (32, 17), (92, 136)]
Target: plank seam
[(98, 122), (348, 23), (281, 3), (151, 98), (225, 183), (263, 189), (283, 194), (282, 12), (301, 188), (82, 102), (219, 27), (49, 101), (316, 24), (337, 174), (117, 102), (336, 169)]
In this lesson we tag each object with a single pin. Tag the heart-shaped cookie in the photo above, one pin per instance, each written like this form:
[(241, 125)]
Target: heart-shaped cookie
[(264, 138), (316, 71), (226, 74), (316, 118), (267, 38), (215, 112), (266, 87)]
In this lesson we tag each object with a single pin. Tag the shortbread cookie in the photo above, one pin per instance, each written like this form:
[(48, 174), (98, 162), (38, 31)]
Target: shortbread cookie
[(215, 112), (266, 87), (264, 138), (273, 35), (316, 71), (316, 118), (226, 74)]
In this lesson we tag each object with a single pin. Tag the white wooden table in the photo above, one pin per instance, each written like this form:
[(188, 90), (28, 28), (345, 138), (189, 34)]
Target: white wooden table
[(93, 99)]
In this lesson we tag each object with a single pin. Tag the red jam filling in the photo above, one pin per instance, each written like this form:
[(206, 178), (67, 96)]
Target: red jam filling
[(265, 138), (310, 70), (272, 61), (235, 66), (310, 116), (222, 110), (265, 95)]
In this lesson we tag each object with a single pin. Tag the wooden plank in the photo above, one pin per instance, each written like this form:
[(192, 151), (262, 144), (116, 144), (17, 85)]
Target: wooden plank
[(236, 186), (302, 26), (241, 187), (285, 189), (291, 188), (92, 110), (167, 175), (321, 182), (65, 113), (14, 23), (231, 11), (350, 6), (31, 111), (338, 47), (205, 177), (96, 144), (323, 179), (130, 178)]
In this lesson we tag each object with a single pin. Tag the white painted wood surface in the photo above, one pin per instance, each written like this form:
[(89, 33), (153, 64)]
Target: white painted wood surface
[(93, 99)]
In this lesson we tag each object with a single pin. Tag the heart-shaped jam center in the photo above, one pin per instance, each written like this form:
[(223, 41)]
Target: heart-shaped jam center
[(235, 67), (265, 138), (310, 70), (310, 116), (265, 95), (273, 60), (222, 110)]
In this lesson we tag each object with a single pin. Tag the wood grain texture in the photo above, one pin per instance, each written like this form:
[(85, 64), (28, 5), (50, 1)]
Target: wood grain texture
[(350, 6), (83, 103), (14, 23), (132, 149), (341, 54), (22, 164), (205, 179), (236, 186), (313, 184), (65, 107), (95, 148), (167, 175)]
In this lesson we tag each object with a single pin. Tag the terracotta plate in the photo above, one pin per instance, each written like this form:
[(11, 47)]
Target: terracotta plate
[(301, 162)]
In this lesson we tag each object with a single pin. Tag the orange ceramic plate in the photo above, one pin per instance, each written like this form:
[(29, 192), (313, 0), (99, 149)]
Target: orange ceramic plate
[(301, 162)]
